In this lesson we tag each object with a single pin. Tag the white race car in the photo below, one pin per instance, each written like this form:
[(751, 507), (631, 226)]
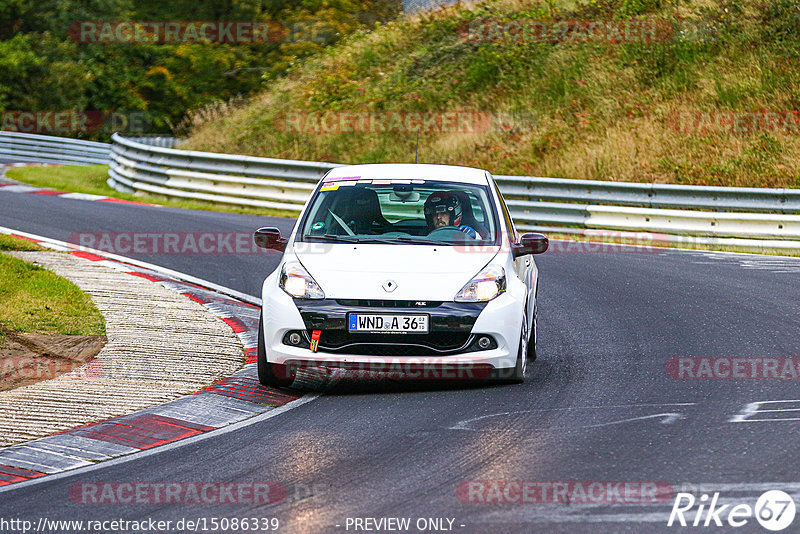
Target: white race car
[(406, 268)]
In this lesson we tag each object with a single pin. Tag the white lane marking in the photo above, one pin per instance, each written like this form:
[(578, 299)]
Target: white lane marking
[(169, 446), (20, 188), (40, 459), (669, 418), (82, 196), (754, 408), (464, 424), (773, 264)]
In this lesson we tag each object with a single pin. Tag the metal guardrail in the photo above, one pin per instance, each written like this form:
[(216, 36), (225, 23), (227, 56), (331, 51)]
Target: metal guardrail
[(32, 148), (703, 211), (237, 180), (700, 197), (745, 217), (164, 141)]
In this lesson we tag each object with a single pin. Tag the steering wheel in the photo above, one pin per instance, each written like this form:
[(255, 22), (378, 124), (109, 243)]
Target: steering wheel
[(395, 234), (446, 233)]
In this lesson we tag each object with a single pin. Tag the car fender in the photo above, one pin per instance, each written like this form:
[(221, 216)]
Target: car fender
[(276, 303)]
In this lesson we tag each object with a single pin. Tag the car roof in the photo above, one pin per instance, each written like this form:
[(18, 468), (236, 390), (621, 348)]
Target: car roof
[(410, 171)]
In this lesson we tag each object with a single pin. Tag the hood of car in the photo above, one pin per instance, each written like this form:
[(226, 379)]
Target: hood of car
[(393, 272)]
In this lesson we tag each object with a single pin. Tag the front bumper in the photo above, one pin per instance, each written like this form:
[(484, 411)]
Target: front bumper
[(454, 329), (450, 327)]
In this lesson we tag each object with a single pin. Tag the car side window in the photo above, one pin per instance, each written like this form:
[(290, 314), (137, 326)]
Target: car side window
[(477, 208), (512, 231)]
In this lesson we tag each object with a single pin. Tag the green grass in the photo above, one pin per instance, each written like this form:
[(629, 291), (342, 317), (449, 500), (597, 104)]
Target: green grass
[(91, 179), (564, 109), (8, 242), (33, 299)]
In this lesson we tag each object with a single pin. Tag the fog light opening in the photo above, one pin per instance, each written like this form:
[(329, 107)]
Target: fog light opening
[(484, 342)]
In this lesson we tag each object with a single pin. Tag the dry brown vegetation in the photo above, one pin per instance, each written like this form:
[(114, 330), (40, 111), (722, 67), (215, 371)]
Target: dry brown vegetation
[(602, 111)]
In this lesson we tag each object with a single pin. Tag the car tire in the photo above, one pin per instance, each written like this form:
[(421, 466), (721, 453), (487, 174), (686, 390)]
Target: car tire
[(516, 374), (531, 349), (270, 374)]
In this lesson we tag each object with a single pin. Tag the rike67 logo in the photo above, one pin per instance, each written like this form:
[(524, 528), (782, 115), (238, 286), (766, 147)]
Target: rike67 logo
[(774, 510)]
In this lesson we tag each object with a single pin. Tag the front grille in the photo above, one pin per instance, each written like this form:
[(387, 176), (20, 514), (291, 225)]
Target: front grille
[(388, 350), (351, 303), (435, 340), (393, 344), (450, 325)]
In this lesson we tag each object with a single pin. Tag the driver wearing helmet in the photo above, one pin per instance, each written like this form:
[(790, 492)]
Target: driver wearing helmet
[(443, 208)]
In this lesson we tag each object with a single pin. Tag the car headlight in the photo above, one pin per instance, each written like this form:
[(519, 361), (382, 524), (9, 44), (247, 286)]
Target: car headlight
[(296, 281), (486, 285)]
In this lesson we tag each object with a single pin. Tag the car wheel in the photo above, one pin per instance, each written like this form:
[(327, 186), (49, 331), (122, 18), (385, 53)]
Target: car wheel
[(271, 374), (531, 351), (516, 374)]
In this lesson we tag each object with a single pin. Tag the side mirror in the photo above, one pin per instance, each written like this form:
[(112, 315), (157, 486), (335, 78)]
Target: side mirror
[(530, 244), (269, 237)]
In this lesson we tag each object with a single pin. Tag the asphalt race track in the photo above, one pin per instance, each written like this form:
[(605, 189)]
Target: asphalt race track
[(598, 406)]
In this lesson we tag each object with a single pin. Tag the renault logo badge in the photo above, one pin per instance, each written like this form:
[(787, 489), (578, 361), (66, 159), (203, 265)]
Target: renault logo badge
[(389, 286)]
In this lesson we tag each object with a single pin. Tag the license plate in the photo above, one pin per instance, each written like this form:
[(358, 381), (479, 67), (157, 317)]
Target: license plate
[(388, 324)]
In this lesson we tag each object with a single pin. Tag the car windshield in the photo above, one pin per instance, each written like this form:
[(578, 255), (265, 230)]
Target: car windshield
[(400, 212)]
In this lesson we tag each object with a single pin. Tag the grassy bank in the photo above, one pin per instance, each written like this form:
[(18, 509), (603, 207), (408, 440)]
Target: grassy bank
[(610, 110), (8, 242), (33, 299)]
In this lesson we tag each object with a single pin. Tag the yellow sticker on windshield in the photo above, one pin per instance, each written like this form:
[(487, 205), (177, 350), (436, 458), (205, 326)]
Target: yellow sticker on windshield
[(329, 187)]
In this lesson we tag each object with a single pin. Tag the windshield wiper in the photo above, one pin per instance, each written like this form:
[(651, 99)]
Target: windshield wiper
[(332, 237), (376, 239), (413, 240)]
